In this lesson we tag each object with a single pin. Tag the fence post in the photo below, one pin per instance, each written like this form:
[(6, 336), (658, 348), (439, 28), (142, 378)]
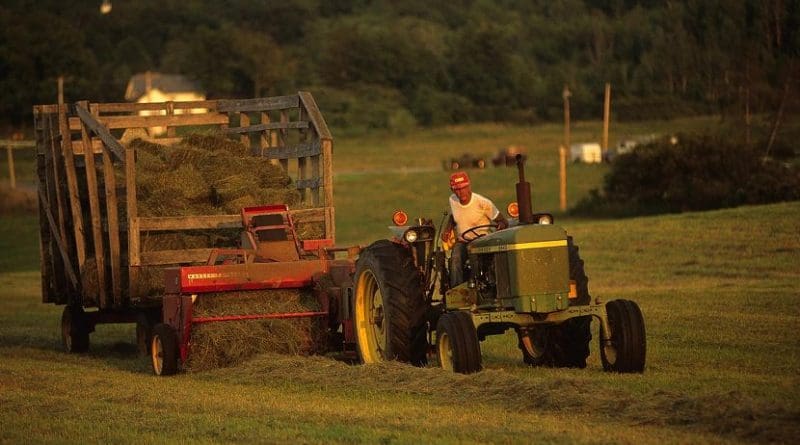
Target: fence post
[(11, 174), (562, 155)]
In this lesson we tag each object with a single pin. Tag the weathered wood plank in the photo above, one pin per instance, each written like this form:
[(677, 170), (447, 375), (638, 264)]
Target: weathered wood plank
[(177, 120), (94, 212), (190, 222), (244, 121), (294, 151), (163, 257), (102, 132), (314, 115), (269, 126), (127, 107), (309, 183), (132, 214), (112, 220), (259, 104), (72, 187), (327, 171), (53, 229)]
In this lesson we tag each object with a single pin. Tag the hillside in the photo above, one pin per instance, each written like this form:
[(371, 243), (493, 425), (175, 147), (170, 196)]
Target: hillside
[(718, 290)]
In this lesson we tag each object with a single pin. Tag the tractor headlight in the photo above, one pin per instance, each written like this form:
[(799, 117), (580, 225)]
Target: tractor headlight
[(545, 219), (410, 236)]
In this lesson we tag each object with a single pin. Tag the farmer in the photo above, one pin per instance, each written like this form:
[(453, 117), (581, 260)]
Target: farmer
[(467, 210)]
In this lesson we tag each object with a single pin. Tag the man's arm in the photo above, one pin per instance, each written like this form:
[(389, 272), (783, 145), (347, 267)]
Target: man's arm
[(501, 221), (448, 227)]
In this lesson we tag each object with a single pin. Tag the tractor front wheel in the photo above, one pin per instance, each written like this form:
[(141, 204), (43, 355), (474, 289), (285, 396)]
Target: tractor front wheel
[(628, 347), (74, 329), (390, 308), (164, 350), (457, 343)]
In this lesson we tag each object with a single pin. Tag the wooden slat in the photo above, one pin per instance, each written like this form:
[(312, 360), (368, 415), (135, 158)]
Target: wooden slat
[(270, 126), (132, 214), (94, 213), (112, 219), (327, 171), (101, 131), (46, 209), (178, 120), (244, 121), (314, 115), (259, 104), (309, 183), (294, 151), (58, 184), (190, 222), (170, 112), (72, 187), (127, 107), (162, 257)]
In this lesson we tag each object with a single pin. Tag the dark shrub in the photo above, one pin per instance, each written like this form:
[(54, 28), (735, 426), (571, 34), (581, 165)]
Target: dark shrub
[(695, 173)]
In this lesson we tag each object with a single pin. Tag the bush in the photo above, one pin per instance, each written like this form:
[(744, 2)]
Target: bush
[(696, 173)]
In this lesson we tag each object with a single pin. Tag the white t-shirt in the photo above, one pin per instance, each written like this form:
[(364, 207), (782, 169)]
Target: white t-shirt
[(477, 212)]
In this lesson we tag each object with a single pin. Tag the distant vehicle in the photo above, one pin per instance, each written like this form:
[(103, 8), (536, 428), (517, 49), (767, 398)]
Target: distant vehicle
[(508, 156), (465, 161), (587, 152)]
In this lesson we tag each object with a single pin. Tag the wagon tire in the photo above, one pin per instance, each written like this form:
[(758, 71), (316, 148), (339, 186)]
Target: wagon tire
[(74, 330), (164, 350)]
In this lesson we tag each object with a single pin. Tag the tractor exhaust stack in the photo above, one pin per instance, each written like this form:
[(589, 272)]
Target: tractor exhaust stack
[(524, 195)]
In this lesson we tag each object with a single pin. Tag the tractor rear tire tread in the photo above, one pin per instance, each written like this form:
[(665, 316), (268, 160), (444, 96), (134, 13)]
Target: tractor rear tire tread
[(405, 306)]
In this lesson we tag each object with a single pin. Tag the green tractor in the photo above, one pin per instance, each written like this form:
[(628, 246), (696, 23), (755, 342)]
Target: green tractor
[(528, 277)]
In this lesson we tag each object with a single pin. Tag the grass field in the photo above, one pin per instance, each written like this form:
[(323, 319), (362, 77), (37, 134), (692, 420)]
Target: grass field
[(719, 292)]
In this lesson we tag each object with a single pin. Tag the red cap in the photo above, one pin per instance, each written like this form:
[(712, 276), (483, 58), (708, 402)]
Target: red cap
[(459, 180)]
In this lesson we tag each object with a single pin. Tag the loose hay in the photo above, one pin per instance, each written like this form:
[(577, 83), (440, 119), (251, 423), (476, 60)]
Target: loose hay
[(221, 344), (208, 175)]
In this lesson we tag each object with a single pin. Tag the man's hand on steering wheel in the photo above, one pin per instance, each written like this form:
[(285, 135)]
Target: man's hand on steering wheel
[(475, 233)]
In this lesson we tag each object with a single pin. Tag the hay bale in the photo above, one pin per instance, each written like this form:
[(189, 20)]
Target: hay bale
[(222, 344)]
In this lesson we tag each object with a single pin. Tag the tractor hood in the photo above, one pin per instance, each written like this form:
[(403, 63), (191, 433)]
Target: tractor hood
[(531, 266)]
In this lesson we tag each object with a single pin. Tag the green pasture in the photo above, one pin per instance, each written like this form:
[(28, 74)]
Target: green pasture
[(719, 291)]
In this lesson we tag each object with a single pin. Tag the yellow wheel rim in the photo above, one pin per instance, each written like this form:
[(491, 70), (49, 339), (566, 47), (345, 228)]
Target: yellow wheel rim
[(157, 354), (369, 318), (445, 352)]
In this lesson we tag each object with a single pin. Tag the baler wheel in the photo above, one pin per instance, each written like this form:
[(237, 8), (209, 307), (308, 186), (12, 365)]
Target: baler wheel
[(457, 343), (628, 343), (390, 308), (74, 329), (164, 350)]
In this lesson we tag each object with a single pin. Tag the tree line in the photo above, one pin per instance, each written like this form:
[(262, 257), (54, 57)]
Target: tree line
[(396, 64)]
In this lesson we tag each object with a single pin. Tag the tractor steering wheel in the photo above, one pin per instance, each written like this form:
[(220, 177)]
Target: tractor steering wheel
[(474, 232)]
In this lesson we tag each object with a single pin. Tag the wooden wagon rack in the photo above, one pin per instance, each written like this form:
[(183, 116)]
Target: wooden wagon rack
[(88, 213)]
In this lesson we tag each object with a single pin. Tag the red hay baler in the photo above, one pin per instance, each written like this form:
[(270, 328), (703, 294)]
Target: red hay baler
[(271, 257)]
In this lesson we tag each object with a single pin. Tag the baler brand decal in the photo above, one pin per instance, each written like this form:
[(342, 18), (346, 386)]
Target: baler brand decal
[(212, 275), (520, 246)]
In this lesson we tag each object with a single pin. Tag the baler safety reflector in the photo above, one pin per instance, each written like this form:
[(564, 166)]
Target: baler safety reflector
[(573, 289)]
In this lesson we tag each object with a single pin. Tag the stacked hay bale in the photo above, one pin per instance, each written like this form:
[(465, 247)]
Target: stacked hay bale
[(212, 175)]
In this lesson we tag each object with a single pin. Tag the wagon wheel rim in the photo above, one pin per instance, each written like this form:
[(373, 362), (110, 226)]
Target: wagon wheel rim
[(370, 318), (157, 354), (445, 352)]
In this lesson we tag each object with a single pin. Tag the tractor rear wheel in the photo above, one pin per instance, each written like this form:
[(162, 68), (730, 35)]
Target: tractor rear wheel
[(457, 343), (390, 308), (164, 350), (628, 343), (74, 329)]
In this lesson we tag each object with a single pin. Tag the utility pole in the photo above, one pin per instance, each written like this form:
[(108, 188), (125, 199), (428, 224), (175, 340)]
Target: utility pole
[(566, 95), (606, 118)]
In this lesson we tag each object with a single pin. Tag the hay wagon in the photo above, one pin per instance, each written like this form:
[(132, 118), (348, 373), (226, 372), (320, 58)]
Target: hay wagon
[(91, 237)]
